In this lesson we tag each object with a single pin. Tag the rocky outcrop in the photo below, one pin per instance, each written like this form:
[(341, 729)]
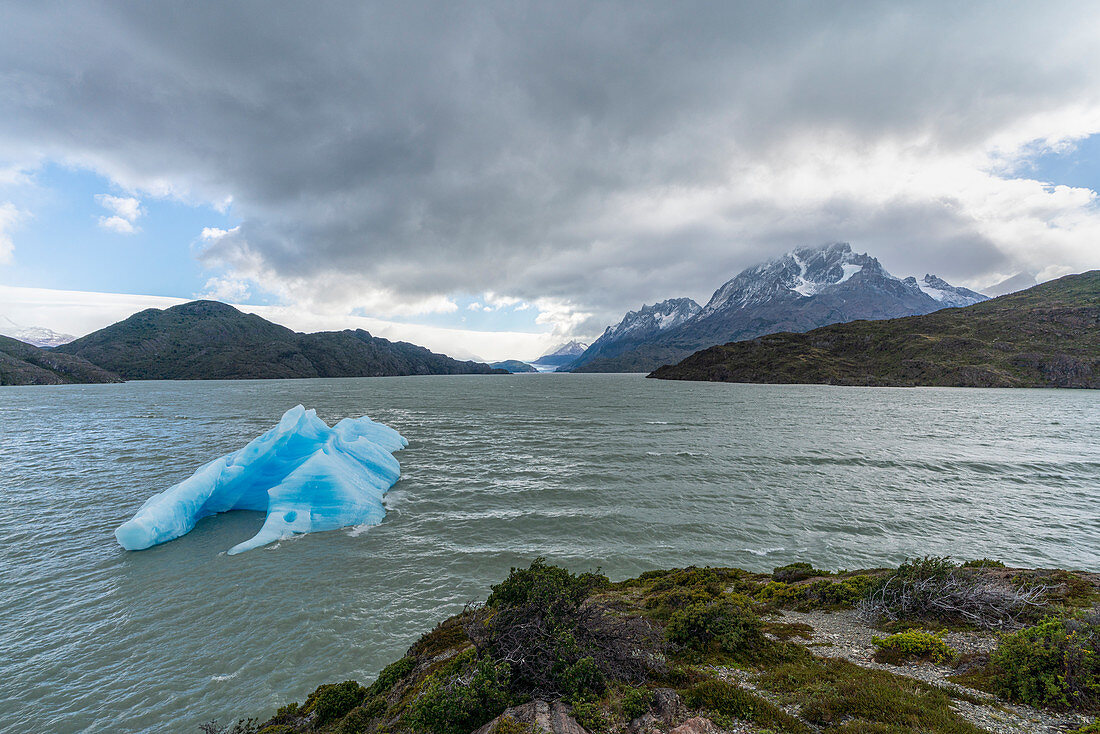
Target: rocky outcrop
[(551, 718)]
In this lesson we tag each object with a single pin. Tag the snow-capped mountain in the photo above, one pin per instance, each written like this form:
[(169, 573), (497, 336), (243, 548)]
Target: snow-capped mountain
[(951, 296), (801, 273), (637, 327), (802, 290), (560, 355), (38, 336)]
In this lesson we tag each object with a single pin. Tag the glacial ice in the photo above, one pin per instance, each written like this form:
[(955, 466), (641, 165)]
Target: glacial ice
[(306, 476)]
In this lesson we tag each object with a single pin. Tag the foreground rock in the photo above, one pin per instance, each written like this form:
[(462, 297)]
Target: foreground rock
[(551, 718)]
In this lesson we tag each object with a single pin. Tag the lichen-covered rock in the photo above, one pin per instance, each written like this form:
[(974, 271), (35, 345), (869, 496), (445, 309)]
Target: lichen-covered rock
[(697, 725), (551, 718)]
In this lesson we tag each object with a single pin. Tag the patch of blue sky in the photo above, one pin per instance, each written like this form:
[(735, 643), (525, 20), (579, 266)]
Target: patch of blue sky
[(60, 242), (1076, 165)]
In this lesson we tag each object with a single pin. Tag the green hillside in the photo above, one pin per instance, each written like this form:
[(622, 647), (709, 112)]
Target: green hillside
[(24, 364), (208, 340), (1046, 336)]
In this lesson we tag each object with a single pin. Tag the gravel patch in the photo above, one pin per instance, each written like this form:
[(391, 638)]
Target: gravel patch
[(843, 635)]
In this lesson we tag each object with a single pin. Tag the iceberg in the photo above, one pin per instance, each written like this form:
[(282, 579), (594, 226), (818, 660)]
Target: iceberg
[(306, 476)]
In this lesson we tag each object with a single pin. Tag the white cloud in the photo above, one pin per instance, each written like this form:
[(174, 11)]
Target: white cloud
[(126, 211), (653, 155), (9, 216), (225, 289), (117, 224), (216, 233)]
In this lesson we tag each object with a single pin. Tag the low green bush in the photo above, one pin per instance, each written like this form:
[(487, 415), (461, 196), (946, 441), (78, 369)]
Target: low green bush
[(1055, 663), (727, 625), (911, 645), (560, 642), (724, 699), (462, 701), (583, 680), (635, 702), (796, 572), (544, 584), (590, 716), (389, 676), (330, 702)]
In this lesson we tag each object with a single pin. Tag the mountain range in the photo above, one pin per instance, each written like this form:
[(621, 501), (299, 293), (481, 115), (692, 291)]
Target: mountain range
[(1046, 336), (560, 355), (37, 336), (212, 340), (802, 290)]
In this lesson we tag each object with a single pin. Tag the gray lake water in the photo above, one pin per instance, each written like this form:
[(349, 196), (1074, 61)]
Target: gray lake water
[(588, 470)]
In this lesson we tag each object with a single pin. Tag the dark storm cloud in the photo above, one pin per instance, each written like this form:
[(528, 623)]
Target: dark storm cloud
[(440, 148)]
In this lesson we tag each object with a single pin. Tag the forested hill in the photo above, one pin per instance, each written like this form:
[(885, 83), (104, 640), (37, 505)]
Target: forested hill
[(211, 340), (26, 364)]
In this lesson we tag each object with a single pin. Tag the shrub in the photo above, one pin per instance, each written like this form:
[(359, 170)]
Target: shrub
[(935, 589), (635, 702), (357, 721), (544, 584), (583, 680), (912, 645), (1093, 728), (664, 604), (241, 726), (820, 594), (929, 567), (461, 702), (561, 644), (728, 700), (795, 572), (724, 626), (590, 716), (1055, 663), (389, 676), (331, 701)]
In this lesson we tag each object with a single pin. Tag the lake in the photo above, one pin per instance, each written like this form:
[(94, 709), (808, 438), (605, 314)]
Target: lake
[(610, 471)]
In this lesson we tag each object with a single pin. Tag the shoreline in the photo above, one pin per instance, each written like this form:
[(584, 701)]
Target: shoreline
[(729, 650)]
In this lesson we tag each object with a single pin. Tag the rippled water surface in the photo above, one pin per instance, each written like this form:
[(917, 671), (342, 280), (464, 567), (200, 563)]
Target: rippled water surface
[(609, 470)]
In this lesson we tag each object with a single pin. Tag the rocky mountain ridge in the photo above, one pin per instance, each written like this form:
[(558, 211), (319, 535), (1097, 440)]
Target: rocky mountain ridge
[(802, 290)]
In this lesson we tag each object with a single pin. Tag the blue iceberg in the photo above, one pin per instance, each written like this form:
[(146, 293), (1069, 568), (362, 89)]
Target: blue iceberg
[(306, 476)]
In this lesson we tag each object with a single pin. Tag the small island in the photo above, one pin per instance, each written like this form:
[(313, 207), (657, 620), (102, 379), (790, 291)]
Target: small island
[(932, 646)]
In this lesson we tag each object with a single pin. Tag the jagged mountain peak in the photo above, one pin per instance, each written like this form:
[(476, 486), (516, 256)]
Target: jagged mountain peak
[(572, 348), (652, 319), (801, 273), (938, 289)]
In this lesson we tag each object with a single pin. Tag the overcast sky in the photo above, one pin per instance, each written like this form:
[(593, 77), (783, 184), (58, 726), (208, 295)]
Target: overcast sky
[(517, 173)]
